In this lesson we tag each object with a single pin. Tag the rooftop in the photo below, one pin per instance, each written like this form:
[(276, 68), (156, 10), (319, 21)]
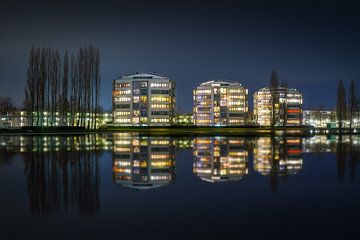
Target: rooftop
[(143, 75), (221, 83)]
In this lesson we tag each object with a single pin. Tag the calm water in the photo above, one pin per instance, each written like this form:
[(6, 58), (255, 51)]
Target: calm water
[(125, 186)]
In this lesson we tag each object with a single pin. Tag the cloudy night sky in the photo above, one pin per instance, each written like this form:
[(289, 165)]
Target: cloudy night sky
[(311, 44)]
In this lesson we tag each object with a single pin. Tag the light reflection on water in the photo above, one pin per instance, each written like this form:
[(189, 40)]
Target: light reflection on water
[(63, 172)]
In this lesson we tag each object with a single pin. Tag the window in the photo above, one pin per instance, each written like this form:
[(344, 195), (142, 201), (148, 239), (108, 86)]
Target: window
[(160, 120), (203, 91), (122, 106), (122, 113), (143, 91), (122, 99), (123, 120), (235, 115), (143, 99), (122, 85), (203, 109), (160, 106), (160, 99), (160, 113), (159, 91), (123, 92), (160, 85)]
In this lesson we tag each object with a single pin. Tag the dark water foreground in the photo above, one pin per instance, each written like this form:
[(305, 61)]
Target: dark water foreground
[(124, 186)]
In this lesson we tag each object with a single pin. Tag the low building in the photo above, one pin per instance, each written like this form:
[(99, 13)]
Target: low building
[(143, 99), (184, 119), (287, 103), (319, 118), (19, 119), (220, 103)]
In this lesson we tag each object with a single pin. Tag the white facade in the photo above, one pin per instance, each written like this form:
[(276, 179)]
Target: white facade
[(143, 99)]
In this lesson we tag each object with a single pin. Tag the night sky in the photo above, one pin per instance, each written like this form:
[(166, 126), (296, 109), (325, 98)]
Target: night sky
[(311, 45)]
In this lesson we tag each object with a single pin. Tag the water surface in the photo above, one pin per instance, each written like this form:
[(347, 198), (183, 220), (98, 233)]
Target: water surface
[(127, 186)]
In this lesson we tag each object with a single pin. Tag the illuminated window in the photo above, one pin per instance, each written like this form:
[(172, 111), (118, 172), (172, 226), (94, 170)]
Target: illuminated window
[(160, 106), (160, 120), (160, 85), (122, 99), (122, 85), (122, 113), (160, 99)]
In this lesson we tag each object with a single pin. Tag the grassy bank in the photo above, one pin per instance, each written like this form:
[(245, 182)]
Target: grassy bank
[(182, 131), (166, 131), (210, 131)]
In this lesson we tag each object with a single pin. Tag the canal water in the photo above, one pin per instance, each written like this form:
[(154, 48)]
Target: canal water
[(127, 186)]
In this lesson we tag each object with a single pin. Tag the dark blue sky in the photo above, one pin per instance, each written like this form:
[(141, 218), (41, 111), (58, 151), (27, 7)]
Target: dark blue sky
[(312, 44)]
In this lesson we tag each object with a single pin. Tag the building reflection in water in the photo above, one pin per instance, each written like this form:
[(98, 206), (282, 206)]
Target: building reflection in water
[(277, 158), (220, 159), (346, 147), (62, 173), (320, 144), (143, 162)]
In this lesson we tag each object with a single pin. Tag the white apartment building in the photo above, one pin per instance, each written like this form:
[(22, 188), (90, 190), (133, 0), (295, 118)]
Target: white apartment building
[(143, 99), (220, 103)]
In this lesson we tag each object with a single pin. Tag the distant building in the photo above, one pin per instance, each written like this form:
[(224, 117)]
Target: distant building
[(220, 103), (220, 159), (143, 99), (184, 119), (319, 118), (288, 108), (143, 162), (18, 119)]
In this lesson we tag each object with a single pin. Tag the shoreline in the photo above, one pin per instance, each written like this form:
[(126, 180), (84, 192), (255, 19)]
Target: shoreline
[(184, 131)]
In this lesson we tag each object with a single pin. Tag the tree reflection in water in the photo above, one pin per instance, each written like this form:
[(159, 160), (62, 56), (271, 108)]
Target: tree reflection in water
[(347, 156), (7, 152), (63, 171)]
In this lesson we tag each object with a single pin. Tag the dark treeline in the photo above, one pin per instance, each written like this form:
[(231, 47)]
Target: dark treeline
[(66, 87), (63, 178), (6, 106), (347, 157), (347, 109)]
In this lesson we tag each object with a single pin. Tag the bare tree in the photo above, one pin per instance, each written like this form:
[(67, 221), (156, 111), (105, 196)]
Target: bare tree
[(97, 85), (341, 105), (74, 91), (6, 106), (47, 87), (352, 103), (31, 94), (65, 88), (284, 104), (274, 86)]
